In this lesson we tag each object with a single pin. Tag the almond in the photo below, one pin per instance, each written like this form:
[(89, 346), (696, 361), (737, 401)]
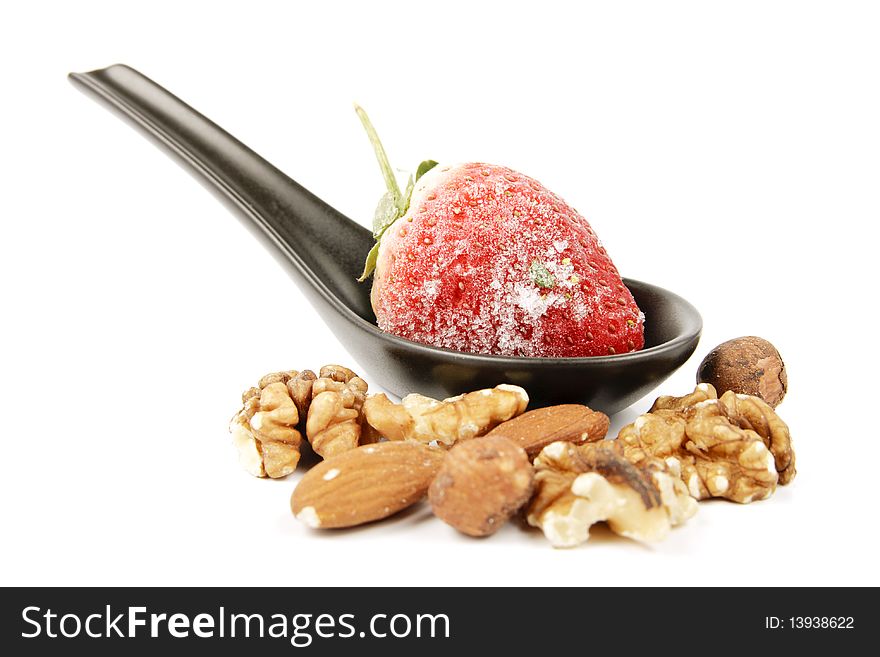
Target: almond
[(481, 484), (365, 484), (538, 428)]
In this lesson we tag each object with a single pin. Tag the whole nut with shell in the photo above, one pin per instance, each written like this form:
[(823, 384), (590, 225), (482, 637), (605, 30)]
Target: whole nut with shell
[(749, 366), (481, 484)]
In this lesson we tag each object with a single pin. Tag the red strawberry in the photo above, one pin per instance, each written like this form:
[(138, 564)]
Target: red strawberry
[(479, 258)]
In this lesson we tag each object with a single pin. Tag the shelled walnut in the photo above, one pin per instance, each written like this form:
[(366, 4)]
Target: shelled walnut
[(702, 392), (580, 485), (335, 419), (265, 430), (735, 447), (754, 414), (458, 418), (299, 388)]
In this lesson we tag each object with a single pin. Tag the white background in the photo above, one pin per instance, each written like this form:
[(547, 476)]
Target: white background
[(727, 151)]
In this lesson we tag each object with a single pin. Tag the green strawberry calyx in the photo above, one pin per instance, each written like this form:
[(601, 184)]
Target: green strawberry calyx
[(394, 203)]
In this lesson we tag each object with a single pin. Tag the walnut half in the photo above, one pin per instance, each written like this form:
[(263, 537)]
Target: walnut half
[(580, 485), (458, 418), (335, 419), (265, 430), (754, 414), (735, 447)]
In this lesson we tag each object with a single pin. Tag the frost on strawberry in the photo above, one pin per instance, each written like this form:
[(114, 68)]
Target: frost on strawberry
[(479, 258)]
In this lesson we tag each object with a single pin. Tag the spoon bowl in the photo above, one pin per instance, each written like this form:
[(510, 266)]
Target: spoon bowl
[(324, 252)]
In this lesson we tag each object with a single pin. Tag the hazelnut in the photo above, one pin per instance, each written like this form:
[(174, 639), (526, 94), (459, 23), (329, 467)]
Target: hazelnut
[(747, 366)]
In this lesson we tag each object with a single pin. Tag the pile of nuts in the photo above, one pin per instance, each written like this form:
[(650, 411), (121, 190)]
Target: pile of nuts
[(480, 458)]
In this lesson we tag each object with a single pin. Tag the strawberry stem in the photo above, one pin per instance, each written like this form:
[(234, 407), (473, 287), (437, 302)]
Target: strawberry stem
[(381, 157), (393, 204)]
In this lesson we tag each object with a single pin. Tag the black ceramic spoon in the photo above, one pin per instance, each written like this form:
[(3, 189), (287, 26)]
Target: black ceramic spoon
[(324, 251)]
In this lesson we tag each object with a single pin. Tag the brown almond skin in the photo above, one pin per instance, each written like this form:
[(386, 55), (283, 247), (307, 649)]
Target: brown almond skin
[(749, 366), (481, 484), (364, 484), (536, 429)]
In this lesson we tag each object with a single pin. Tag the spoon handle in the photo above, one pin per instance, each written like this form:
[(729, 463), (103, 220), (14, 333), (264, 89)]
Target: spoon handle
[(310, 236)]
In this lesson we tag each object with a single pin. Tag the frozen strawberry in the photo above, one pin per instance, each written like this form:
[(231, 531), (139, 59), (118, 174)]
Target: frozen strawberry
[(479, 258)]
